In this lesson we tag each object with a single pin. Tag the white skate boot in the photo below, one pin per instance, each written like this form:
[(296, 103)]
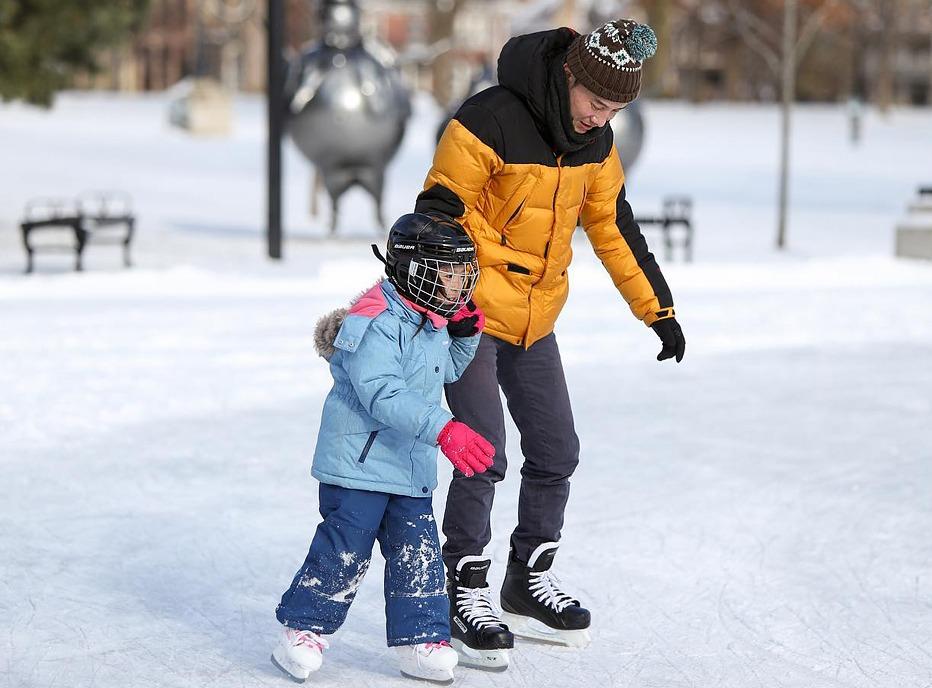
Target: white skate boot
[(299, 653), (428, 661)]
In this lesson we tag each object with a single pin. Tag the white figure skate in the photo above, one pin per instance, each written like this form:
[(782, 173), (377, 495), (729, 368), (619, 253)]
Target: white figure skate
[(428, 661), (299, 653)]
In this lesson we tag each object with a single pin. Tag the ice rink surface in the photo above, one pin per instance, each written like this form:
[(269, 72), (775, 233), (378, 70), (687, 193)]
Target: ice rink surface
[(759, 515)]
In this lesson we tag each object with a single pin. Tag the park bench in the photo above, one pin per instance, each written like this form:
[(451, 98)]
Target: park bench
[(675, 214), (99, 217)]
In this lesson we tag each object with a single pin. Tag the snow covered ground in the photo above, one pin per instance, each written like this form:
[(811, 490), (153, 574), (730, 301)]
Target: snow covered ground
[(756, 516)]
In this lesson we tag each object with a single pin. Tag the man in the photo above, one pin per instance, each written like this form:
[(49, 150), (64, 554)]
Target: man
[(517, 166)]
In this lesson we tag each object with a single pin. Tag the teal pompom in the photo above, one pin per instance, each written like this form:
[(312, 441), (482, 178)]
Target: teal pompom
[(641, 43)]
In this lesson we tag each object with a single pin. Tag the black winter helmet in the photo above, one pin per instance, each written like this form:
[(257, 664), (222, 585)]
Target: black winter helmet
[(432, 261)]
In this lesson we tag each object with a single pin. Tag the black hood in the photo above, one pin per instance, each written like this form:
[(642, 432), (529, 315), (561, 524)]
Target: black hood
[(531, 67)]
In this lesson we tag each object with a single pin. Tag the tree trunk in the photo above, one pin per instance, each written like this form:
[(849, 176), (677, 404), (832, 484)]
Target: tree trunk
[(789, 92), (657, 68)]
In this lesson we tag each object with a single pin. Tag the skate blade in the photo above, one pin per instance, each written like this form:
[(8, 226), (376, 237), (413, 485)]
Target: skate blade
[(487, 660), (290, 669), (440, 678), (527, 627)]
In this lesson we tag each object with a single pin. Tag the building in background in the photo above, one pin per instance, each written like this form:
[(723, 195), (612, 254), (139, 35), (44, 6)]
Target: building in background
[(223, 39), (442, 46), (876, 50), (904, 74), (873, 50)]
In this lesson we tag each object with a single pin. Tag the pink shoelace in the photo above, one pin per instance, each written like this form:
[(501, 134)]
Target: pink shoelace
[(434, 646), (310, 639)]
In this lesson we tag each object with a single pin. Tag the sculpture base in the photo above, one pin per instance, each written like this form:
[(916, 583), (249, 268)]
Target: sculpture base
[(914, 242), (202, 107)]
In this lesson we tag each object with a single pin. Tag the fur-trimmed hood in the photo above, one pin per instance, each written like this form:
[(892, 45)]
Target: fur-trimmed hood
[(326, 331)]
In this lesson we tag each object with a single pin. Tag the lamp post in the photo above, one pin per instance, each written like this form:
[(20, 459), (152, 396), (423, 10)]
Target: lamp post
[(275, 87)]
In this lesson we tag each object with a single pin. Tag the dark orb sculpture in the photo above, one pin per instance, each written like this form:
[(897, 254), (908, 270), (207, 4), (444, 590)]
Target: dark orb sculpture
[(346, 108), (628, 126)]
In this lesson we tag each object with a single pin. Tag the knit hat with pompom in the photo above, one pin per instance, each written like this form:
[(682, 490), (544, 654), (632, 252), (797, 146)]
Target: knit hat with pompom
[(608, 60)]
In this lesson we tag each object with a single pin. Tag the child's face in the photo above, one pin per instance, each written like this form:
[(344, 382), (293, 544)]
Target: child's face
[(452, 282)]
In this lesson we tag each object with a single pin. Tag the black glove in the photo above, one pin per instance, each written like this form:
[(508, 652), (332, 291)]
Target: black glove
[(671, 334), (468, 321)]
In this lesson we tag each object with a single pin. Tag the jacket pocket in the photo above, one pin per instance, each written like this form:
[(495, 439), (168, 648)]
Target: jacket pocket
[(511, 219), (368, 446), (517, 201)]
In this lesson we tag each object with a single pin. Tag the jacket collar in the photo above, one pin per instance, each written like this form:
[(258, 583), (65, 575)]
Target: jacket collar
[(400, 305)]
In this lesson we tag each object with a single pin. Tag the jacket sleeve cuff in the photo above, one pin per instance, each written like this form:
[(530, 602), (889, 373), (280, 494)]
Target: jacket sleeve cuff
[(662, 314), (440, 420)]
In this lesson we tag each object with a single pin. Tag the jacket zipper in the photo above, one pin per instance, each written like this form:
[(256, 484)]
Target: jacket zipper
[(365, 450), (513, 216), (530, 300)]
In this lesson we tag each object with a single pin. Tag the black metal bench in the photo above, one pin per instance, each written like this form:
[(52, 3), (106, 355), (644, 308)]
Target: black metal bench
[(676, 212), (101, 217)]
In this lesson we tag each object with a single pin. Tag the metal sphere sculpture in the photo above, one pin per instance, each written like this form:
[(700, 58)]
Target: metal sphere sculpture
[(628, 126), (347, 109)]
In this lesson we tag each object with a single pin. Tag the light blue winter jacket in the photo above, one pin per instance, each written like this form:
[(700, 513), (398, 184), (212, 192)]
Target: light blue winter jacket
[(380, 421)]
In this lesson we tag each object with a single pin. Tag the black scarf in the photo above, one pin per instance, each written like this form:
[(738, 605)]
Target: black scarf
[(560, 134)]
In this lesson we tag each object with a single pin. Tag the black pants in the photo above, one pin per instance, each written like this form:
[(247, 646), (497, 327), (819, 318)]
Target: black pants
[(535, 389)]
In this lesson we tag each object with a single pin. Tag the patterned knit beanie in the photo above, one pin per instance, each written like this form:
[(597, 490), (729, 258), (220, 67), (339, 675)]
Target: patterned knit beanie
[(608, 60)]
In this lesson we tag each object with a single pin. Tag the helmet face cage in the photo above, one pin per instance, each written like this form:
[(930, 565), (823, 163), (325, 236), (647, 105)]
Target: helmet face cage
[(442, 286), (432, 261)]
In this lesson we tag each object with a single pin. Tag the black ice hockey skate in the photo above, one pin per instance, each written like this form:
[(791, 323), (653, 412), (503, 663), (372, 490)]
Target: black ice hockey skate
[(479, 636), (535, 607)]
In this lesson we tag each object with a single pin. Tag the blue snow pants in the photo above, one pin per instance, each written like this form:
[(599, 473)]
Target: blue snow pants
[(417, 609)]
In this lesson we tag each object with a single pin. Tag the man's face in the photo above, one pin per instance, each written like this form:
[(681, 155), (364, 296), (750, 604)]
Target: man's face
[(586, 108)]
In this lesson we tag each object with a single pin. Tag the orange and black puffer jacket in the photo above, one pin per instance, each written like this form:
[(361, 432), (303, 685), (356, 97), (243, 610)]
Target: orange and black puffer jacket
[(512, 171)]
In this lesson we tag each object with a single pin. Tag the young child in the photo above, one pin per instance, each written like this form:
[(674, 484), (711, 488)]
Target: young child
[(390, 355)]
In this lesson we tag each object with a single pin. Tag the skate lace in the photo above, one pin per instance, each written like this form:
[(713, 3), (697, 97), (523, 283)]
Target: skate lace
[(477, 607), (435, 646), (310, 639), (545, 586)]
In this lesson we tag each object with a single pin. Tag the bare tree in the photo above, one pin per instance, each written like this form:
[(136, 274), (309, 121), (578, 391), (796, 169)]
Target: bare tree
[(782, 51), (789, 61), (657, 69)]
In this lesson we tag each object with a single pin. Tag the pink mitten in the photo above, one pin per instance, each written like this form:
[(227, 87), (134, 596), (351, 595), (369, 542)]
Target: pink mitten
[(467, 450)]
